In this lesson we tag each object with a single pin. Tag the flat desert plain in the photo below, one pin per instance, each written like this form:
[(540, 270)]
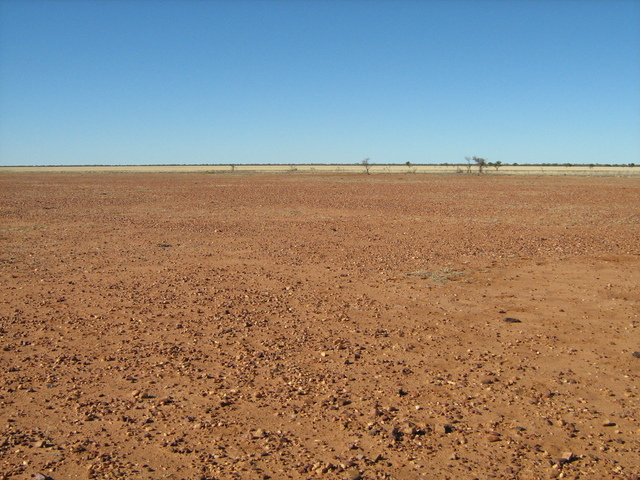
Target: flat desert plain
[(234, 326)]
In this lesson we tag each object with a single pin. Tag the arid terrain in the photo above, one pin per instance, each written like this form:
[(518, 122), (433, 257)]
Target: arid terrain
[(311, 326)]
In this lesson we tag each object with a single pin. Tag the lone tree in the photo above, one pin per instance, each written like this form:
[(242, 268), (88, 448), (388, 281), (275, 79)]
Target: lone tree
[(409, 166), (497, 165), (481, 162), (366, 163)]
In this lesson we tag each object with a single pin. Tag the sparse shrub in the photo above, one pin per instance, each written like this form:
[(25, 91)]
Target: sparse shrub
[(469, 160)]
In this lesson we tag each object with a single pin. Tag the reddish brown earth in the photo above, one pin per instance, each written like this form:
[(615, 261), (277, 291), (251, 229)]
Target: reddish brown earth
[(194, 326)]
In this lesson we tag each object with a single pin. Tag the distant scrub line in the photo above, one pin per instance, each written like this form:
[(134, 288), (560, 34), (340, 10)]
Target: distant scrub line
[(489, 168)]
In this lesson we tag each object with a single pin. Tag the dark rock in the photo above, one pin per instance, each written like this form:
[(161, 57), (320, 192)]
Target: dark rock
[(445, 428), (395, 434), (512, 320)]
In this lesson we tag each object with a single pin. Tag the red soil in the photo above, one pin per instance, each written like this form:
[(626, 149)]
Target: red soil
[(194, 326)]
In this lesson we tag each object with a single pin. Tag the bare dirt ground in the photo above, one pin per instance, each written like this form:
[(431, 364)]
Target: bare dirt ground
[(221, 326)]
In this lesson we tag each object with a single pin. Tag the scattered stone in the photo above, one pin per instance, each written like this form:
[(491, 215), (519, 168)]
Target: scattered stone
[(407, 428), (140, 394), (609, 424), (395, 434), (445, 428), (408, 381), (567, 457), (352, 474)]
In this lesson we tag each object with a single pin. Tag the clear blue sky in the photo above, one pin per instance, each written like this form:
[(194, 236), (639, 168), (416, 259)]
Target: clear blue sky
[(153, 82)]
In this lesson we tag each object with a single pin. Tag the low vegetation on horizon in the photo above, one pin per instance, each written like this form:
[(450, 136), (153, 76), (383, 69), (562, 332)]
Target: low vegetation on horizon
[(473, 166)]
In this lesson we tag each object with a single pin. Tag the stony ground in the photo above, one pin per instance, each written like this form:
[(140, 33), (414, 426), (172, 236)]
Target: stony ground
[(221, 326)]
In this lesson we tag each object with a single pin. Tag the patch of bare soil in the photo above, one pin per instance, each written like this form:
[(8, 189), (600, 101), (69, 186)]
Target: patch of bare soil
[(193, 326)]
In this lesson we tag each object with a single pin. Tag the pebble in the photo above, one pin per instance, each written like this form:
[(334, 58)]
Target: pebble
[(494, 437), (512, 320), (446, 428), (568, 456), (407, 428), (352, 474), (140, 394), (636, 354)]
